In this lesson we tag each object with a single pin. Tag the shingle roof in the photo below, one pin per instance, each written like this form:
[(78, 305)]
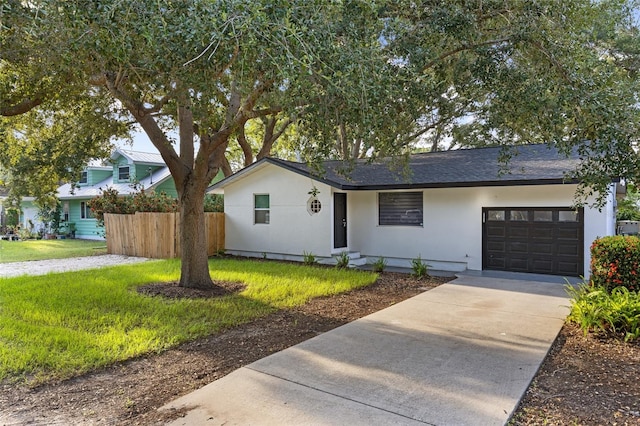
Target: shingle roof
[(529, 165)]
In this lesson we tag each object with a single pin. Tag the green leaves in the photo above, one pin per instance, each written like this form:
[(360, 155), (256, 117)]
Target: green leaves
[(597, 310), (355, 78)]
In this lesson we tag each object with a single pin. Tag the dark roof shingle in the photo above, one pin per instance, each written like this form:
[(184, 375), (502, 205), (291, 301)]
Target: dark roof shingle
[(528, 165)]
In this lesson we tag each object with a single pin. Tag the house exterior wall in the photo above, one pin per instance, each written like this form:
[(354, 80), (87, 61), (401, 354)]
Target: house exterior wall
[(168, 187), (291, 229), (140, 171), (85, 228), (29, 215), (96, 176), (451, 238)]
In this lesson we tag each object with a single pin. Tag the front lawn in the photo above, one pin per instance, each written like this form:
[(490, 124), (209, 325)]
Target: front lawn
[(61, 325), (20, 251)]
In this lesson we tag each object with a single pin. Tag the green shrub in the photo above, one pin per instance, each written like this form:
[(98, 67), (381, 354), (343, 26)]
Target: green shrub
[(379, 265), (615, 262), (420, 269), (342, 260), (12, 217), (214, 203), (600, 310), (628, 206), (309, 258), (110, 201), (26, 234)]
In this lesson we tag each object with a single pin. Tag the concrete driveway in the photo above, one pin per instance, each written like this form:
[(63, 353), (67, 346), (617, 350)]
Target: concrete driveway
[(463, 353)]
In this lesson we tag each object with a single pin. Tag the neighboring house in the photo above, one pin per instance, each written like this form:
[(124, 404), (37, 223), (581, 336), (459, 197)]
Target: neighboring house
[(147, 170), (453, 209), (28, 212), (29, 218)]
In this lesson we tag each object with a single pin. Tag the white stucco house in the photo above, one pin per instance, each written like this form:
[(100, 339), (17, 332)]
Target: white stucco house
[(454, 209)]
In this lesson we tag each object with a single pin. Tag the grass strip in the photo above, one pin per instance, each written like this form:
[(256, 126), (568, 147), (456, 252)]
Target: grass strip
[(60, 325), (21, 251)]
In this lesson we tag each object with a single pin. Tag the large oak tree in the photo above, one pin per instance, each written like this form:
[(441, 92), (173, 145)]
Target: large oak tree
[(200, 68), (357, 78)]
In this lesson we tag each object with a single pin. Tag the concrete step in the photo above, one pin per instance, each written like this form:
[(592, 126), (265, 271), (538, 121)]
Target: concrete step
[(360, 261)]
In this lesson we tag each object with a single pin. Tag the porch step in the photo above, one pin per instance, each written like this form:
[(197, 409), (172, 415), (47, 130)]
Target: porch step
[(360, 261), (355, 259)]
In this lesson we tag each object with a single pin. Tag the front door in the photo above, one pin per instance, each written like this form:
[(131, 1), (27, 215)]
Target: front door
[(339, 220)]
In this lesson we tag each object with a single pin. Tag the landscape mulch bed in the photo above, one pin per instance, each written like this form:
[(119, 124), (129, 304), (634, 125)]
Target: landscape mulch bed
[(584, 380)]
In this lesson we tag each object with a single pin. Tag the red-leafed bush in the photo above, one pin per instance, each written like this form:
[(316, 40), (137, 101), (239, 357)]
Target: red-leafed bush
[(615, 262)]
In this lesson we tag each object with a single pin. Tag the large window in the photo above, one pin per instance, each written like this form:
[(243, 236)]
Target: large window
[(400, 208), (261, 208), (123, 173), (85, 211)]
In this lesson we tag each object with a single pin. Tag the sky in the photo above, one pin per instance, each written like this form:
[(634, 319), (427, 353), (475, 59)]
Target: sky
[(141, 143)]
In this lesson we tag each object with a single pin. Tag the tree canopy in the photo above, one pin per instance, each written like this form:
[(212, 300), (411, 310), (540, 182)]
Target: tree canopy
[(346, 79)]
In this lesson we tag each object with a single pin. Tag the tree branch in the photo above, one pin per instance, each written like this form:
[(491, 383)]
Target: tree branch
[(262, 112), (22, 107), (463, 48), (244, 144), (186, 130), (178, 169), (160, 104)]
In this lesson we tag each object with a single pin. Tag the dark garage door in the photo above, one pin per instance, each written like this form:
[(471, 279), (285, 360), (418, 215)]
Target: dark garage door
[(535, 240)]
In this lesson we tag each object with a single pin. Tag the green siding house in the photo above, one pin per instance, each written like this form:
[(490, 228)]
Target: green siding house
[(146, 170)]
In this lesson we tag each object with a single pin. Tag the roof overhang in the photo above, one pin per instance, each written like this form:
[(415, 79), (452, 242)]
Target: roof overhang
[(218, 188)]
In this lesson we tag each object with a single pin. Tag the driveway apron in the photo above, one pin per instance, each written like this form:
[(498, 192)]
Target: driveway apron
[(463, 353)]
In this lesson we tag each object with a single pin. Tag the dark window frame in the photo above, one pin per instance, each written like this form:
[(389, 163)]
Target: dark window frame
[(401, 208), (85, 211), (121, 174)]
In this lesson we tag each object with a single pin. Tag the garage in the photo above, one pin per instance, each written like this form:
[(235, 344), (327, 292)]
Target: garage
[(539, 240)]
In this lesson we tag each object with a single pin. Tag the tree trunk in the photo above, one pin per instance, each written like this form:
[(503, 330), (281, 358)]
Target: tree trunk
[(193, 238)]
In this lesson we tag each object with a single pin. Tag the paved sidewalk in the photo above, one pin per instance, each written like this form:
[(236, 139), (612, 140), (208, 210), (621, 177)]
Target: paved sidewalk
[(42, 267), (463, 353)]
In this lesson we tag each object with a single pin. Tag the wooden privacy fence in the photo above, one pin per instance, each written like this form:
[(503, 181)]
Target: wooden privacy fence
[(156, 235)]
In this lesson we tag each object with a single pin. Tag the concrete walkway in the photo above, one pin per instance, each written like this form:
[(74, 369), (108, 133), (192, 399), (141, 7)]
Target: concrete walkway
[(463, 353)]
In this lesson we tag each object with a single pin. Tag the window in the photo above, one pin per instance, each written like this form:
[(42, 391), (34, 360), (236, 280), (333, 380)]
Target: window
[(400, 208), (565, 216), (65, 212), (495, 215), (519, 215), (261, 208), (85, 211), (83, 177), (314, 206), (123, 173), (543, 216)]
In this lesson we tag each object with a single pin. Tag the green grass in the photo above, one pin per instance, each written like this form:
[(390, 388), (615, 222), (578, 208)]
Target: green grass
[(60, 325), (20, 251)]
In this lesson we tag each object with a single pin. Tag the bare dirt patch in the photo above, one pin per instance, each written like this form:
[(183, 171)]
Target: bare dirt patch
[(584, 380), (172, 290)]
